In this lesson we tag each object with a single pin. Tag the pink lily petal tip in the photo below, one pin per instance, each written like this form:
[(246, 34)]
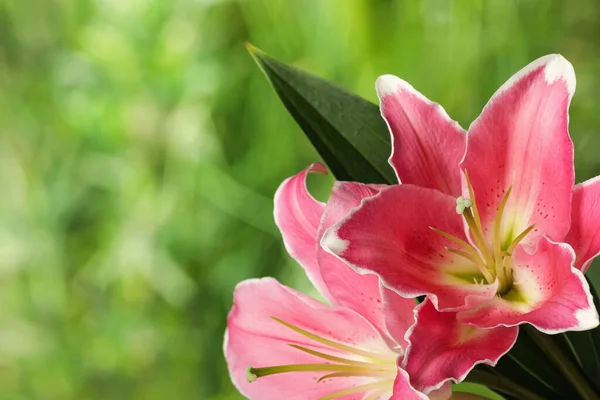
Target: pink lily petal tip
[(391, 84), (317, 167), (555, 67), (559, 68), (587, 318)]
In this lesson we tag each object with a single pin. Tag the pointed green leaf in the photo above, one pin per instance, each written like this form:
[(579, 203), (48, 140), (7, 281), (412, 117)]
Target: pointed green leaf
[(509, 389), (347, 130), (527, 366), (586, 347)]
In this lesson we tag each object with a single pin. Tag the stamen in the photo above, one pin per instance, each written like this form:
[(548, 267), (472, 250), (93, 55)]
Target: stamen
[(462, 203), (382, 374), (478, 236), (254, 373), (507, 272), (340, 359), (490, 258), (382, 367), (507, 264), (500, 271), (348, 349), (357, 389), (471, 215), (516, 240), (477, 261), (472, 196), (250, 376), (469, 249)]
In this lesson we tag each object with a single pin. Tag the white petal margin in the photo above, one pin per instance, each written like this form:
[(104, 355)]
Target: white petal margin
[(556, 67), (390, 85), (331, 243), (559, 68), (587, 318)]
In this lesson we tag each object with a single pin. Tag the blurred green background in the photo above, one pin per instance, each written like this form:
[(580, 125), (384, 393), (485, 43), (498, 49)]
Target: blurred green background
[(140, 148)]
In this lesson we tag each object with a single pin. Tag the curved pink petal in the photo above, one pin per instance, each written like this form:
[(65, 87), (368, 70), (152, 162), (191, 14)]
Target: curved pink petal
[(547, 292), (297, 215), (441, 348), (426, 144), (584, 235), (521, 139), (346, 287), (399, 315), (403, 390), (390, 235), (254, 338), (296, 212)]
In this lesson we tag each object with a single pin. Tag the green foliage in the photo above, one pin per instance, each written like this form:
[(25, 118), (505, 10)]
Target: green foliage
[(140, 148), (586, 346)]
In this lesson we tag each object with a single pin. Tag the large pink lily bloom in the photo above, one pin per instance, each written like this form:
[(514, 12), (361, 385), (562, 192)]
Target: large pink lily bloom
[(282, 344), (486, 223)]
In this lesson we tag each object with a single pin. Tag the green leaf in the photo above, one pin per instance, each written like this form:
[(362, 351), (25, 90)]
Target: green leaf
[(347, 130), (586, 347), (527, 366), (510, 390)]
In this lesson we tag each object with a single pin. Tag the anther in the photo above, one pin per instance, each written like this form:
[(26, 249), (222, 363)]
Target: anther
[(462, 204), (250, 376)]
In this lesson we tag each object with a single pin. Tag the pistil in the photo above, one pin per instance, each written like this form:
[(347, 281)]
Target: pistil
[(500, 266), (494, 262), (474, 226)]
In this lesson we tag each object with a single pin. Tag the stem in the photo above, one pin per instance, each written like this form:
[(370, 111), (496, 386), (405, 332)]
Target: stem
[(501, 384), (563, 363)]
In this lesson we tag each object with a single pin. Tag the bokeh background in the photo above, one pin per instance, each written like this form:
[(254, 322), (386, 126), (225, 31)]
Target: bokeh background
[(140, 148)]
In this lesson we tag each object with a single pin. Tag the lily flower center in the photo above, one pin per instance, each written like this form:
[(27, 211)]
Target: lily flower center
[(381, 368), (492, 256)]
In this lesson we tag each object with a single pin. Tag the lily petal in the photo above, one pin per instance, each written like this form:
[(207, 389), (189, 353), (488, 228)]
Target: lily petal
[(548, 293), (296, 211), (426, 144), (389, 235), (399, 315), (403, 390), (584, 235), (346, 287), (521, 139), (297, 215), (254, 338), (442, 348)]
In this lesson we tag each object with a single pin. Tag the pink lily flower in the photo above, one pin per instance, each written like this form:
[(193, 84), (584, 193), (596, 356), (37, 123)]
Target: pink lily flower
[(486, 223), (282, 344)]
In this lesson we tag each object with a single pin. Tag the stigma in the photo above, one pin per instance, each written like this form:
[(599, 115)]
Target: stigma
[(492, 255), (347, 361)]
